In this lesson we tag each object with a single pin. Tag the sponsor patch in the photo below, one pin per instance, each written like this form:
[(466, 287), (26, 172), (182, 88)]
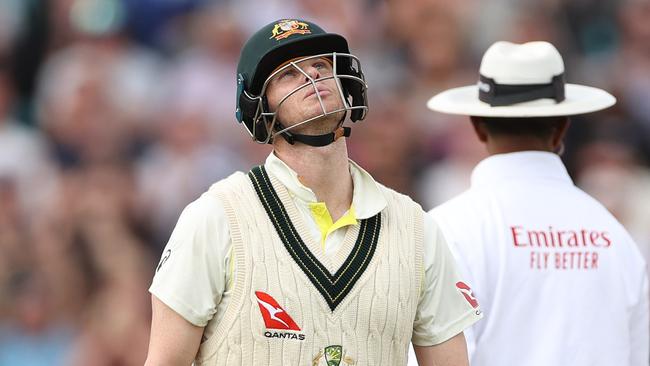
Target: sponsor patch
[(276, 318), (467, 292), (274, 315)]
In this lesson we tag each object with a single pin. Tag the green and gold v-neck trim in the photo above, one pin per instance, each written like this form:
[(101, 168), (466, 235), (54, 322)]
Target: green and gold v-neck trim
[(333, 287)]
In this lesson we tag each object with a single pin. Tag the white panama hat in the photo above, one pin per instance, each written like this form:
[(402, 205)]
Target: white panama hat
[(521, 80)]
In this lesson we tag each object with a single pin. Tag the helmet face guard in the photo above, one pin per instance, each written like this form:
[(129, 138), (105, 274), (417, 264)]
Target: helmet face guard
[(350, 87)]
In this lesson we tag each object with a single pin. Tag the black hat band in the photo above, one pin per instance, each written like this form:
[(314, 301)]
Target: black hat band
[(502, 94)]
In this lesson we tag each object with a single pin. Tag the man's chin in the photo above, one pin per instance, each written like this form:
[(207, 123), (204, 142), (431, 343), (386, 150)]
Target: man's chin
[(318, 112), (319, 126), (330, 119)]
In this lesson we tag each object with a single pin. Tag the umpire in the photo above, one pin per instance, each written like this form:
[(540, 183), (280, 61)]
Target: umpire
[(559, 279)]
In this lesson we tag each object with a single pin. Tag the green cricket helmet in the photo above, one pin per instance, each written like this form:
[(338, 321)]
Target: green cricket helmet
[(290, 41)]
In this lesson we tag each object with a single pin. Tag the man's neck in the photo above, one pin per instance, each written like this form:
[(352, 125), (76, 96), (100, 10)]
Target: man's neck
[(505, 145), (325, 170)]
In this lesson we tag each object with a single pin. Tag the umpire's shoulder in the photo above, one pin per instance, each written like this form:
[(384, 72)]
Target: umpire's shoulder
[(458, 205), (458, 217)]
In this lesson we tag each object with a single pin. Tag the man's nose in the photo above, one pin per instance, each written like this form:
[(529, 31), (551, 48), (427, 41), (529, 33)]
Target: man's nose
[(312, 72)]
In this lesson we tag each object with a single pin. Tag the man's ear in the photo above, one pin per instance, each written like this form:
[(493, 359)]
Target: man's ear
[(560, 131), (479, 128)]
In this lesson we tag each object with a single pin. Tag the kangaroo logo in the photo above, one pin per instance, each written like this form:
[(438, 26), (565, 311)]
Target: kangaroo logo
[(274, 315)]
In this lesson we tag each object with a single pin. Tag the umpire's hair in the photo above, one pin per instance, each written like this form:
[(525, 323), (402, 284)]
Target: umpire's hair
[(541, 127)]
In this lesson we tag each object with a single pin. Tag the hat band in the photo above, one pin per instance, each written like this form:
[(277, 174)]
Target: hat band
[(502, 94)]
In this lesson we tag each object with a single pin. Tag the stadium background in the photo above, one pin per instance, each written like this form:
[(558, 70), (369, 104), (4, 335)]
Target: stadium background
[(114, 114)]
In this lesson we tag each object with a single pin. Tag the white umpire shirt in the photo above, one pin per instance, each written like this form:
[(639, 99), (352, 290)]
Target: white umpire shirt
[(559, 279)]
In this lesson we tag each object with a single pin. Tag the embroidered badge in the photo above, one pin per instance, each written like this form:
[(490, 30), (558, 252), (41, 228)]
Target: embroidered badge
[(333, 355), (288, 27)]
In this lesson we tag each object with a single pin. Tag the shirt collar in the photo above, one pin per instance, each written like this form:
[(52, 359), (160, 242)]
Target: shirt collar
[(367, 197), (523, 165)]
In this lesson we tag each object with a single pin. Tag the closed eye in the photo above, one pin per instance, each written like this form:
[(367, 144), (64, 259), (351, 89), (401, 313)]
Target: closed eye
[(289, 72)]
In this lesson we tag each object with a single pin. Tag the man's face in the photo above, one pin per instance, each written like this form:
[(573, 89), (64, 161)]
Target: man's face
[(304, 103)]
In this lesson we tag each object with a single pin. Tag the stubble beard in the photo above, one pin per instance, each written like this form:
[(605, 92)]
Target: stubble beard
[(322, 125)]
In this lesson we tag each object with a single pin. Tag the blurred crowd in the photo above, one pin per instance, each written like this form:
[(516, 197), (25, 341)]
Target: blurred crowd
[(115, 114)]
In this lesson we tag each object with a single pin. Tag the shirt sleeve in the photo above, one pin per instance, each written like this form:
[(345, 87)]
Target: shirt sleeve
[(192, 273), (446, 306)]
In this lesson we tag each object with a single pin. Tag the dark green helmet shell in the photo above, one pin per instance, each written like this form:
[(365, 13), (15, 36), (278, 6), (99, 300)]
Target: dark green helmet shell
[(279, 42)]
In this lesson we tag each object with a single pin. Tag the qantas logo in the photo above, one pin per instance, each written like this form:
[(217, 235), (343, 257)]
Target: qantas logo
[(274, 316), (467, 292)]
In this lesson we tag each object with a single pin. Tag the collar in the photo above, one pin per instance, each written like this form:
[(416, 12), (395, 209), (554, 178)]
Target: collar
[(523, 165), (367, 197)]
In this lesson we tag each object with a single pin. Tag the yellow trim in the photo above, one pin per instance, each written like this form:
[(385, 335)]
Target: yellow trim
[(323, 219), (350, 218)]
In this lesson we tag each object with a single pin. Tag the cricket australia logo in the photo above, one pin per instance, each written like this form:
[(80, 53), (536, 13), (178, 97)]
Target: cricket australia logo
[(332, 356), (276, 318), (288, 27)]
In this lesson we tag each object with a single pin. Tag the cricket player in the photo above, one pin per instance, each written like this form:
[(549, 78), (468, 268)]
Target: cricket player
[(306, 259)]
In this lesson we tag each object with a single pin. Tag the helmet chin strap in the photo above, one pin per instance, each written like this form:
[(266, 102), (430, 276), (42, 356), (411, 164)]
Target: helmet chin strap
[(317, 140)]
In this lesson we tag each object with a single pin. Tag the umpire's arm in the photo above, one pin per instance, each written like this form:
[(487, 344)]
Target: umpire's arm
[(174, 341)]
